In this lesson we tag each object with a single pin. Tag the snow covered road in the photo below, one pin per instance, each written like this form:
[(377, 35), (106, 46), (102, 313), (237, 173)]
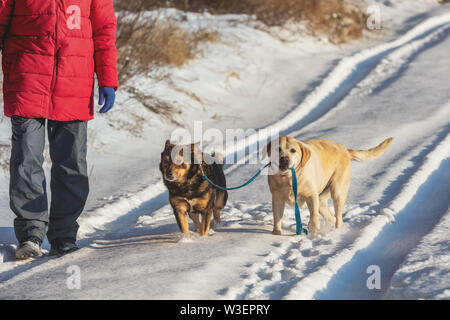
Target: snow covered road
[(398, 89)]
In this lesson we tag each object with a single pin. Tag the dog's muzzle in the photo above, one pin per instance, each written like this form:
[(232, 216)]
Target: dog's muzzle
[(284, 163), (169, 176)]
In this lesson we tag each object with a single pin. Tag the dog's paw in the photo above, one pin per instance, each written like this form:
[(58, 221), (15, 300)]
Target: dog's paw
[(339, 224), (215, 224), (330, 221), (313, 228), (276, 232), (185, 239)]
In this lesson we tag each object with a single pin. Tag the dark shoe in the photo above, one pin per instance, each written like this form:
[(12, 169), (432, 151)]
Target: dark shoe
[(62, 247), (29, 248)]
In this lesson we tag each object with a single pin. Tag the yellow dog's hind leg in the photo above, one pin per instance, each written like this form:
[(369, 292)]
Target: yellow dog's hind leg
[(324, 209)]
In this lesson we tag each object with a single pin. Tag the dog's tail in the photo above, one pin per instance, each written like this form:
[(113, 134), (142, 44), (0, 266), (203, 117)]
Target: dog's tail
[(364, 155)]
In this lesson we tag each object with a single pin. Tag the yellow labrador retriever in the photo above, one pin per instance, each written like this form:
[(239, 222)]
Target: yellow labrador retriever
[(323, 169)]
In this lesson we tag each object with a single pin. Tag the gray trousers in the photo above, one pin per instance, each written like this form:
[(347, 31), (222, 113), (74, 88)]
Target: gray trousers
[(69, 184)]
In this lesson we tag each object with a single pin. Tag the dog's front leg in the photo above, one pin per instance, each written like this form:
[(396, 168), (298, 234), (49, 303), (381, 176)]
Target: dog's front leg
[(278, 210), (313, 206), (184, 222), (195, 218), (181, 210)]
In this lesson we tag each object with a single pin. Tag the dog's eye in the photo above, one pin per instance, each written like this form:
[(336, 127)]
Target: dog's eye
[(293, 150)]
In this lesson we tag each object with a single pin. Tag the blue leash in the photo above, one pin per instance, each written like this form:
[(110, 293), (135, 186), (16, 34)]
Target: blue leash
[(238, 187), (298, 219)]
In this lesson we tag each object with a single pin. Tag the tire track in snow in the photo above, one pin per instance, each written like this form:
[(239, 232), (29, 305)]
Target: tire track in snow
[(288, 261), (389, 69), (394, 242)]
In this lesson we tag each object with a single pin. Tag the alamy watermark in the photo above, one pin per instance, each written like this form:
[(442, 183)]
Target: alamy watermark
[(238, 146), (74, 17), (373, 21), (374, 280), (73, 282)]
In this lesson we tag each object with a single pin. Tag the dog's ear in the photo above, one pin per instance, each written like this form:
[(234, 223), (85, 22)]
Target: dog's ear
[(177, 151), (196, 154), (306, 154), (266, 151), (168, 144)]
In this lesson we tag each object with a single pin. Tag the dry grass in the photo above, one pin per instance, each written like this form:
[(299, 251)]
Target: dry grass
[(142, 44), (339, 20), (145, 43), (5, 151), (155, 105)]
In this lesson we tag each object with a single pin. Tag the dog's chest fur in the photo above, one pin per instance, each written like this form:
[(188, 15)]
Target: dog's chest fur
[(282, 185)]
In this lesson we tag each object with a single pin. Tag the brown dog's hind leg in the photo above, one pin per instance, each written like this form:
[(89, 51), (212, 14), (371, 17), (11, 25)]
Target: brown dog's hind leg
[(196, 220), (216, 212), (218, 206), (206, 219), (221, 200)]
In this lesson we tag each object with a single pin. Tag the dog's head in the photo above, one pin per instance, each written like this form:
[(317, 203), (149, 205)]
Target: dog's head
[(287, 152), (177, 161)]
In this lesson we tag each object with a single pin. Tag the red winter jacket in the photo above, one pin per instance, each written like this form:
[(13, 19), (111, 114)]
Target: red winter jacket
[(50, 50)]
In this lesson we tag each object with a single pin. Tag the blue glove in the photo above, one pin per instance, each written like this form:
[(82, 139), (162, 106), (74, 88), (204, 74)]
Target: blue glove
[(106, 95)]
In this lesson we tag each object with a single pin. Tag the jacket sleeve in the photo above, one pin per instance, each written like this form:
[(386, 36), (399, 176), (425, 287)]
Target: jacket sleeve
[(104, 24), (6, 8)]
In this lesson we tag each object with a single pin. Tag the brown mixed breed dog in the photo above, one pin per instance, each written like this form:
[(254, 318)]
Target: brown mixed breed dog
[(189, 193), (323, 169)]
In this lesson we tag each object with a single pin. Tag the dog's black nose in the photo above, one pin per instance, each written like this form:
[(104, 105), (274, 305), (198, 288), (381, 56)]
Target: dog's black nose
[(284, 160), (169, 175), (284, 163)]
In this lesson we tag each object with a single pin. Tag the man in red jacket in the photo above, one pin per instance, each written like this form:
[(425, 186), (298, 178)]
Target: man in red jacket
[(50, 51)]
